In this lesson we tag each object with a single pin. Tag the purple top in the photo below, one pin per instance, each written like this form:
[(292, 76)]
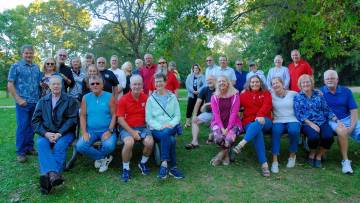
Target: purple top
[(225, 108)]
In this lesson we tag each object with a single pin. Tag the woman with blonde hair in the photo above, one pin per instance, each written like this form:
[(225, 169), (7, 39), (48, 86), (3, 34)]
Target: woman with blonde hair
[(226, 124), (127, 68), (49, 69)]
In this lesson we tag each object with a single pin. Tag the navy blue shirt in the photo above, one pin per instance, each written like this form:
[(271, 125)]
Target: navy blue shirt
[(341, 102), (240, 80)]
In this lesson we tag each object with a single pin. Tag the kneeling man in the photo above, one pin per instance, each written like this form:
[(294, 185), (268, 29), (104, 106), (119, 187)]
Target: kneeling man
[(54, 119), (131, 117)]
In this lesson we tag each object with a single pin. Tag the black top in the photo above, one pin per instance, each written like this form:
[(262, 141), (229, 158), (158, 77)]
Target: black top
[(127, 87), (110, 80), (65, 70), (205, 94)]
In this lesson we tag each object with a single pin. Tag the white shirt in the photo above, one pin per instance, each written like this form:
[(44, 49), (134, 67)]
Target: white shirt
[(211, 71), (120, 75), (283, 107), (227, 72)]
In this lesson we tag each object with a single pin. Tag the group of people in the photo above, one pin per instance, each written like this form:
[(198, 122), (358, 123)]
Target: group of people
[(141, 105)]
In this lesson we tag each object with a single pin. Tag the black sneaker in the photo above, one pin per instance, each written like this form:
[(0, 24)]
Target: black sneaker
[(45, 186)]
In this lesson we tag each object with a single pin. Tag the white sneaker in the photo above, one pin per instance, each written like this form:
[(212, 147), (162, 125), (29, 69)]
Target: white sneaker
[(105, 163), (291, 162), (97, 163), (275, 167), (346, 166)]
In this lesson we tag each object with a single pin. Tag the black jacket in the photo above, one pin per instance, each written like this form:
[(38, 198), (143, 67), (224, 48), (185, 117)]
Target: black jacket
[(63, 69), (61, 119)]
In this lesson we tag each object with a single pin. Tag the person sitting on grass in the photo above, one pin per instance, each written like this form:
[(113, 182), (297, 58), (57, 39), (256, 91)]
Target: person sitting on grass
[(131, 116), (226, 124), (284, 122), (54, 120), (163, 118), (257, 104), (313, 112), (97, 121), (206, 113)]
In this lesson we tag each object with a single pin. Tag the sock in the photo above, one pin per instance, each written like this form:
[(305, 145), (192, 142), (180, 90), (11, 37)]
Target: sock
[(144, 159), (126, 165), (164, 164)]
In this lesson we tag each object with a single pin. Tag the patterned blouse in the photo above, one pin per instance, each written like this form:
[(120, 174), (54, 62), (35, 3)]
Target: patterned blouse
[(313, 108)]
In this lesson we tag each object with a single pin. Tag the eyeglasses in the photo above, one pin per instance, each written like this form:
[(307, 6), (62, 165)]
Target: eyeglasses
[(239, 64), (94, 83), (209, 60), (101, 62), (50, 64), (162, 62)]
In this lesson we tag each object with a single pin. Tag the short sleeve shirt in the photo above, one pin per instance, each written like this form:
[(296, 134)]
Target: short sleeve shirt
[(132, 110), (26, 78), (227, 72), (205, 94), (110, 80)]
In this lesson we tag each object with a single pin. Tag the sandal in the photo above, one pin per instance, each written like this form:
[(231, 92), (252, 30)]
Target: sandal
[(187, 125), (215, 161), (265, 172), (191, 146), (237, 149), (209, 141)]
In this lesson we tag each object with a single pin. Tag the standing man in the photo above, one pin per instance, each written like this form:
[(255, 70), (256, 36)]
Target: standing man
[(211, 67), (297, 68), (254, 71), (225, 70), (24, 85), (131, 117), (240, 75), (341, 101), (120, 74), (138, 64), (147, 72), (65, 71), (110, 80)]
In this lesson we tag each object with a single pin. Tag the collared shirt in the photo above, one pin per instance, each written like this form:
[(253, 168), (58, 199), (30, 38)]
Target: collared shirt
[(340, 102), (211, 70), (259, 73), (132, 110), (227, 72), (240, 79), (26, 78), (147, 73), (296, 71), (313, 108)]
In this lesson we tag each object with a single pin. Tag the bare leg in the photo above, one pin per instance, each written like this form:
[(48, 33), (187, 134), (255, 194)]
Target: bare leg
[(148, 145), (127, 149)]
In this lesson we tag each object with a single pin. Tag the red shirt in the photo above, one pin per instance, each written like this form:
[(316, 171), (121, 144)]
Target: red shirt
[(132, 110), (172, 83), (147, 73), (256, 104), (296, 71)]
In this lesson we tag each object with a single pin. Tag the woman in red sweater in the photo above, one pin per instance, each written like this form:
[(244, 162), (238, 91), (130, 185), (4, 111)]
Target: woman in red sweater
[(257, 104)]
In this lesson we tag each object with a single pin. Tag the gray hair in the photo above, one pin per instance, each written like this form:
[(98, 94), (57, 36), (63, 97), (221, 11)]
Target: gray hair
[(56, 77), (26, 46), (114, 56), (75, 58), (125, 65), (135, 77), (96, 78), (61, 50), (139, 60), (280, 57), (330, 72)]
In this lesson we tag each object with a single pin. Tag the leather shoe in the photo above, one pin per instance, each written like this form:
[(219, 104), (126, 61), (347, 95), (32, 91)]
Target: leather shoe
[(32, 152), (45, 186), (55, 179)]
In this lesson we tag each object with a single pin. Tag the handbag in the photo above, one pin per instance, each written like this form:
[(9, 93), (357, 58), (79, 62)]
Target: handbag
[(178, 127)]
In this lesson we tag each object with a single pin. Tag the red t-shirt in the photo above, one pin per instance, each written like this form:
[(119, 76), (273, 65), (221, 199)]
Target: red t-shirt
[(172, 83), (132, 110), (296, 71), (147, 73)]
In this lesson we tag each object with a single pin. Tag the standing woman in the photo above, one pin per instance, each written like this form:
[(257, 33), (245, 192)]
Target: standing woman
[(163, 117), (314, 114), (49, 69), (92, 71), (284, 121), (278, 71), (76, 91), (226, 124), (127, 68), (194, 82), (257, 104)]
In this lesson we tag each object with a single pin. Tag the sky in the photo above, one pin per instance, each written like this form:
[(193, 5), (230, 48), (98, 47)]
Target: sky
[(6, 4)]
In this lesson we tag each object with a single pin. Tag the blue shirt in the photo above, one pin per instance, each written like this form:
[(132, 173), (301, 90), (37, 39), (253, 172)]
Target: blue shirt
[(313, 108), (26, 78), (283, 73), (341, 102), (240, 80), (98, 114)]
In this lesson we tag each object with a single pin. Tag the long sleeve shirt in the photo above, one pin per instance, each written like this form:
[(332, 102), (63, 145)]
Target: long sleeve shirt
[(256, 104)]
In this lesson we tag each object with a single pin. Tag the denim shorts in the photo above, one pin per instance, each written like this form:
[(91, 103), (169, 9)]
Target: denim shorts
[(143, 132), (347, 122)]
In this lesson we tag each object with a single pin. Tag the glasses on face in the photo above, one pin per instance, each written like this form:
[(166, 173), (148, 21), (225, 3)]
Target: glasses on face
[(101, 62), (239, 64), (162, 62), (62, 55), (50, 64), (94, 83), (208, 60)]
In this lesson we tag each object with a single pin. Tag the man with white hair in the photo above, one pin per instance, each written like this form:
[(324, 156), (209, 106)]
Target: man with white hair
[(65, 71), (138, 64), (147, 72), (120, 74), (131, 117), (341, 101)]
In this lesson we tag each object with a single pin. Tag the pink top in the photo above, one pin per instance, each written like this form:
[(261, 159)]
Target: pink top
[(234, 119)]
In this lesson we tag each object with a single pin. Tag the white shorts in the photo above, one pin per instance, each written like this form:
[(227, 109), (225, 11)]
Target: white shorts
[(205, 117), (347, 122)]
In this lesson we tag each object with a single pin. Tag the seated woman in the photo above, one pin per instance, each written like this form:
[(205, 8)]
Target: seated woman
[(226, 124), (54, 120), (314, 114), (284, 122), (97, 121), (163, 118), (257, 104)]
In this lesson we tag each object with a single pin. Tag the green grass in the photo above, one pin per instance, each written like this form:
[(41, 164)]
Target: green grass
[(239, 182)]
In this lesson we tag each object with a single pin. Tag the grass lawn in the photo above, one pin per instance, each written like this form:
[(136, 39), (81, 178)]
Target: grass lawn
[(239, 182)]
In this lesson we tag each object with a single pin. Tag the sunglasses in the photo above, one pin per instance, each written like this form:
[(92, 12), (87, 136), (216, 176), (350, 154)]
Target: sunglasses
[(208, 60), (94, 83), (50, 64), (239, 64), (162, 62), (62, 55), (101, 62)]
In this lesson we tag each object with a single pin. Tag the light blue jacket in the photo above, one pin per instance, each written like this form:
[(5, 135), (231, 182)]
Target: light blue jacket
[(190, 81), (155, 116)]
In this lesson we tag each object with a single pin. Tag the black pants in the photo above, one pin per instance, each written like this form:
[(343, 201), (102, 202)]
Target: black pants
[(190, 106)]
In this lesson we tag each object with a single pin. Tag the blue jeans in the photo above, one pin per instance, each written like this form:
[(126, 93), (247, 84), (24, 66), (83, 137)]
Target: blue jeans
[(24, 130), (324, 139), (86, 148), (254, 131), (166, 138), (52, 156), (293, 130)]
